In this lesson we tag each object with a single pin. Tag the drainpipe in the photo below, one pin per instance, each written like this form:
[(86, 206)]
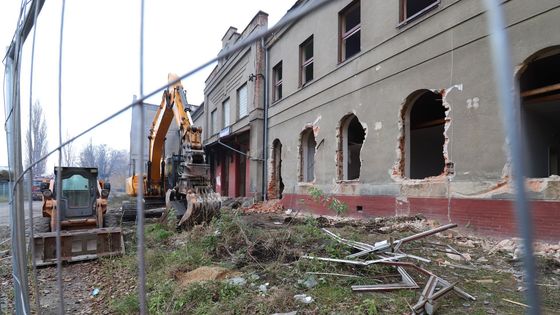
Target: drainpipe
[(265, 125)]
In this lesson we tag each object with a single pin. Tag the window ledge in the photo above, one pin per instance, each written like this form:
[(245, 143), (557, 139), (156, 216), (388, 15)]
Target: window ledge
[(416, 16), (350, 59), (305, 184), (348, 181)]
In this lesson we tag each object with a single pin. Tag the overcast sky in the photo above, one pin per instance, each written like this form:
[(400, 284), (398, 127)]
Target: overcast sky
[(101, 57)]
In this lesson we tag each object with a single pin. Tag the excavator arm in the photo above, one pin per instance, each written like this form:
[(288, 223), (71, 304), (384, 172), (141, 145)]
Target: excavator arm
[(190, 192)]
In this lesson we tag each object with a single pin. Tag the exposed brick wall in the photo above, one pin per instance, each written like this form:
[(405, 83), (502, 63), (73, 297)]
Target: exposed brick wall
[(483, 216)]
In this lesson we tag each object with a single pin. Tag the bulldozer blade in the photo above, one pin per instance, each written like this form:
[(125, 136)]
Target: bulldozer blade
[(78, 245)]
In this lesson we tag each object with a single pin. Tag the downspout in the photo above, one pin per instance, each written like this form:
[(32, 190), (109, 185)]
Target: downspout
[(265, 125)]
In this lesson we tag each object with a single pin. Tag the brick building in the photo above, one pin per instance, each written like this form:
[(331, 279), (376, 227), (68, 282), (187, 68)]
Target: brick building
[(233, 116), (390, 106)]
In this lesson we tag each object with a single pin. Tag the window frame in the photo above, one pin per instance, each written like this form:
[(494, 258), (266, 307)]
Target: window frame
[(344, 36), (214, 121), (243, 86), (224, 116), (403, 19), (303, 63), (277, 83)]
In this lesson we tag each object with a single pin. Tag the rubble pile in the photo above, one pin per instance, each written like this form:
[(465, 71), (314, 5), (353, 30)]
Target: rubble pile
[(269, 206)]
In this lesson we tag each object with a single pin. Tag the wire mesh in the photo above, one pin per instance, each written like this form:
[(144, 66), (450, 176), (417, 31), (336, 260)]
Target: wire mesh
[(502, 70)]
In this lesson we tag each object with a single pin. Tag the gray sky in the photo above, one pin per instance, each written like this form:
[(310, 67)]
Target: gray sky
[(101, 57)]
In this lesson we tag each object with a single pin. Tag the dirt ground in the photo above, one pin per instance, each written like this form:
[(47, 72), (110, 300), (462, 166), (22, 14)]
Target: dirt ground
[(250, 263)]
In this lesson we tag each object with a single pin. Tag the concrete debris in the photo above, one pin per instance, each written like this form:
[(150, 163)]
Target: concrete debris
[(310, 282), (303, 298), (239, 281), (514, 247), (263, 288)]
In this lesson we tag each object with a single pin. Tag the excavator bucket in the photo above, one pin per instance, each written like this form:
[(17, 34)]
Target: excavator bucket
[(198, 207), (78, 245)]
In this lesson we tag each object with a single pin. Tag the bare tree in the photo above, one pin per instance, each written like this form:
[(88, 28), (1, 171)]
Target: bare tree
[(37, 136), (68, 154), (108, 161)]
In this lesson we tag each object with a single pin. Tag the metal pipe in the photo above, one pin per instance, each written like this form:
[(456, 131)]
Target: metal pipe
[(17, 215), (508, 96), (30, 149), (265, 124), (59, 173), (140, 166), (425, 233)]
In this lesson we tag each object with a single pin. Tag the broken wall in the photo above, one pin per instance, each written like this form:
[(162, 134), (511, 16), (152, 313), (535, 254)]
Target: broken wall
[(446, 50)]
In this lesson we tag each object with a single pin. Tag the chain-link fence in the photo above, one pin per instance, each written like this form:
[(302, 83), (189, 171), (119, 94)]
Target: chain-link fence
[(30, 11)]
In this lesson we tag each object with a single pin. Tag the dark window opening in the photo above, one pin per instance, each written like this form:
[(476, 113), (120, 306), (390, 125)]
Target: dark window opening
[(427, 126), (540, 114), (307, 155), (359, 208), (306, 61), (353, 136), (276, 185), (277, 82), (410, 9), (350, 28)]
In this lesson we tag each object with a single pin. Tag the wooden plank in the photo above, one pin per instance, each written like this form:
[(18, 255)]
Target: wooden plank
[(542, 90)]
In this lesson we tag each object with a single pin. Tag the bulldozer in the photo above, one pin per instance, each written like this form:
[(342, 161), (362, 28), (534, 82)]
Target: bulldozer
[(85, 231), (181, 180)]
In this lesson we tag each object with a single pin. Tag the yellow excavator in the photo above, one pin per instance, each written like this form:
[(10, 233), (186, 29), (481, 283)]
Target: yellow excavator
[(181, 180)]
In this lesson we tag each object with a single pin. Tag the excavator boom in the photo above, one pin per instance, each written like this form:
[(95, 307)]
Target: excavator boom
[(183, 179)]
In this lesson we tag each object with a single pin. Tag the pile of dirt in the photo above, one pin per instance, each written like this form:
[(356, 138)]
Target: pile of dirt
[(204, 273)]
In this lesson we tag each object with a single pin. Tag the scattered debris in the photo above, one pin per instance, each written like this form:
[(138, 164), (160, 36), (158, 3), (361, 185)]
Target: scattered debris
[(516, 303), (238, 281), (310, 282), (95, 292), (406, 283), (389, 252), (269, 206), (303, 298)]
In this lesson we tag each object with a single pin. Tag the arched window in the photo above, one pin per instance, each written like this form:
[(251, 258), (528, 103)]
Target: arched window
[(307, 155), (425, 127), (539, 85), (276, 185), (351, 139)]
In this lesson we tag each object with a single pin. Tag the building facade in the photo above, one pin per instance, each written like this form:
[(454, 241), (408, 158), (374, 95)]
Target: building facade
[(233, 115), (391, 107)]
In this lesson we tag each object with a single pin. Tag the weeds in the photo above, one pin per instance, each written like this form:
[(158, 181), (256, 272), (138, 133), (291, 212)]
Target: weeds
[(328, 201)]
